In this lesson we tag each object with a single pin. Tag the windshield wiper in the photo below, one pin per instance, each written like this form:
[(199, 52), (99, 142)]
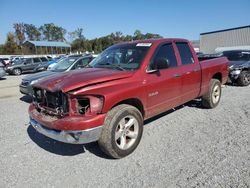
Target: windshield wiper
[(119, 67)]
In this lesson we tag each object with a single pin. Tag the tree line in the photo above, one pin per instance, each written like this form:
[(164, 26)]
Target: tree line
[(52, 32)]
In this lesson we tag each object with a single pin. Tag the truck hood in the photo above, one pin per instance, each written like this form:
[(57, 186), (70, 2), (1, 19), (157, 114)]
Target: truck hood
[(72, 80)]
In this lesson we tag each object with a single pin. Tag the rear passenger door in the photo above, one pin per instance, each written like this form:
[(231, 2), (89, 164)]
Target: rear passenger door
[(163, 86), (190, 72)]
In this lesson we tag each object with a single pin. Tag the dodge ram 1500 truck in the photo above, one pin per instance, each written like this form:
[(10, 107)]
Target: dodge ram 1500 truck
[(126, 84)]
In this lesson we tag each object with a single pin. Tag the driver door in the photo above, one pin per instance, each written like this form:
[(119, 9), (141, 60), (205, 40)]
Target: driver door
[(164, 85)]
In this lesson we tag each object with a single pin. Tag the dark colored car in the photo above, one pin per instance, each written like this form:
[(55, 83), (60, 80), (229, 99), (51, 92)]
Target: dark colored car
[(25, 65), (64, 65), (239, 65)]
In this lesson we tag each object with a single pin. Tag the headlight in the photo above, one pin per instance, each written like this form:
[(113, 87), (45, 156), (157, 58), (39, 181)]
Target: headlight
[(90, 104), (34, 81)]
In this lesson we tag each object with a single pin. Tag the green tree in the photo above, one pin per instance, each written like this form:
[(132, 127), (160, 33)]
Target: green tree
[(32, 32), (10, 47), (152, 36), (138, 35), (51, 32), (77, 34), (19, 32)]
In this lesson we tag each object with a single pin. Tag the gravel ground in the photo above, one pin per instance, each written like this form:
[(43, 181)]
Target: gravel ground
[(186, 147)]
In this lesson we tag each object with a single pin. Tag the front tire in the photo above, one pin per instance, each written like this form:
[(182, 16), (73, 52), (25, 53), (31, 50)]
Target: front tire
[(212, 98), (17, 71), (122, 131), (244, 78)]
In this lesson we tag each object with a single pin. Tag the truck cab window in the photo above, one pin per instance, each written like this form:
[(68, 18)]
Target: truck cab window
[(165, 52), (185, 53)]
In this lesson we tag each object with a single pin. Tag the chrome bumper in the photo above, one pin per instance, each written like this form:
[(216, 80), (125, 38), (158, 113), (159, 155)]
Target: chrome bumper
[(27, 90), (72, 137)]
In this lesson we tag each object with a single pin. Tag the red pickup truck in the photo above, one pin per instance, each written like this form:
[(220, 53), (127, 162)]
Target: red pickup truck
[(126, 84)]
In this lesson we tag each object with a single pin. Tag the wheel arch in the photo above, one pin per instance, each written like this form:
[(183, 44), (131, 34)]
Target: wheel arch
[(217, 76), (133, 102)]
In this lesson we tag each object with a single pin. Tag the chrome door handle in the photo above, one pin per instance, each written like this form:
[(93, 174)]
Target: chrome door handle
[(177, 75), (196, 70)]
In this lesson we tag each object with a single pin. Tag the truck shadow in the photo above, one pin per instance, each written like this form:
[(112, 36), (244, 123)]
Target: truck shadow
[(64, 149)]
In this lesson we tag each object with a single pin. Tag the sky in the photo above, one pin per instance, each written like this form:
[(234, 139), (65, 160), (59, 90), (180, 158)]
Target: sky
[(169, 18)]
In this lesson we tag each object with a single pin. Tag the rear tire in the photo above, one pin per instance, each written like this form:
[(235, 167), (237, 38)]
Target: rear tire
[(244, 78), (17, 71), (122, 131), (212, 98)]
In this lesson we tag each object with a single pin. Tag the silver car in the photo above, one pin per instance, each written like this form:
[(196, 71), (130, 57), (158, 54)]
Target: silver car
[(64, 65)]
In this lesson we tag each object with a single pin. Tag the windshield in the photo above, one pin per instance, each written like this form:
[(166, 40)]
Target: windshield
[(122, 57), (237, 56), (64, 64)]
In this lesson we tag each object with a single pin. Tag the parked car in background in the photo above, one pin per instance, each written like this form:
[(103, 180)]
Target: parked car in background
[(5, 61), (239, 65), (25, 65), (127, 84), (65, 65), (43, 65), (53, 63), (15, 58), (2, 70)]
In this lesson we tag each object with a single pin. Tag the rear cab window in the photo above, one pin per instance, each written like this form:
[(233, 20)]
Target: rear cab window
[(185, 53)]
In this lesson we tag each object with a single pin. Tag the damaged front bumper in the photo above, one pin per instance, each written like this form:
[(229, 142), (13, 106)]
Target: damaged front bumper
[(72, 137), (69, 129)]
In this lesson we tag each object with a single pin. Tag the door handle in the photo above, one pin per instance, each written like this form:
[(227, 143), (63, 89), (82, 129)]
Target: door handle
[(177, 75), (196, 70)]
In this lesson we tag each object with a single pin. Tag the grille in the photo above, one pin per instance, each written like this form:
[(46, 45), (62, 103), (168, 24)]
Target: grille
[(51, 103)]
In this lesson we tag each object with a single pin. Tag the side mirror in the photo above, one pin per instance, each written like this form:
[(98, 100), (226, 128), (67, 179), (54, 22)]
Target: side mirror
[(161, 63)]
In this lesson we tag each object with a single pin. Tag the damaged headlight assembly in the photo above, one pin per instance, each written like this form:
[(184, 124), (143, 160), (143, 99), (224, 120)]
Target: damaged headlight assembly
[(89, 104)]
